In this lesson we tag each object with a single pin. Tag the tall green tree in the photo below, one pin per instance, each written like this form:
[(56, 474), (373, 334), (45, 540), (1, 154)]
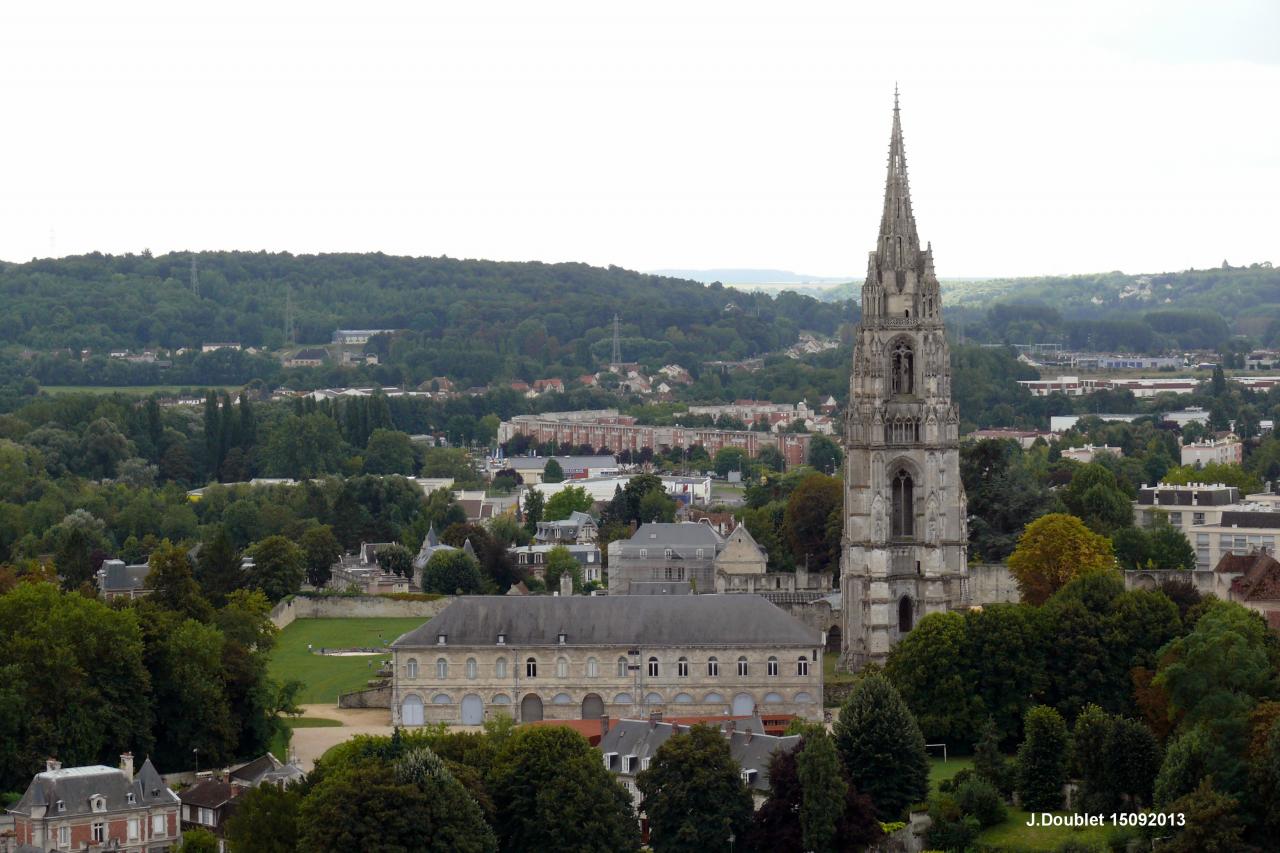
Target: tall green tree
[(173, 585), (218, 567), (534, 507), (266, 820), (279, 567), (452, 573), (565, 502), (389, 452), (882, 747), (559, 561), (321, 550), (1042, 760), (693, 794), (396, 559), (73, 666), (823, 792), (805, 522), (540, 766), (931, 671), (552, 472)]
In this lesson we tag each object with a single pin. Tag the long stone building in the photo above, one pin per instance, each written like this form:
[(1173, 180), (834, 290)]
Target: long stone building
[(618, 433), (905, 532), (582, 657)]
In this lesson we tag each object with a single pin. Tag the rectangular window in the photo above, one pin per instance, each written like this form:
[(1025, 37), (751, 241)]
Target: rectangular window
[(99, 831), (186, 814), (644, 552), (157, 825), (135, 828), (64, 836), (1197, 518), (206, 816), (1175, 518)]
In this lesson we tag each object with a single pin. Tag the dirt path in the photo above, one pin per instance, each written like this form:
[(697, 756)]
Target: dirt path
[(311, 743)]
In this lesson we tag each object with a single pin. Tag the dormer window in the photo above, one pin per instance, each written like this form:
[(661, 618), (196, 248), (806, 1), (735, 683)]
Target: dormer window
[(562, 638), (130, 799), (502, 639), (440, 639), (62, 806), (97, 803)]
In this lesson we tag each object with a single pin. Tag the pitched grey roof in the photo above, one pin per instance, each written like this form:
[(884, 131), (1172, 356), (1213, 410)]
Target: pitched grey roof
[(660, 588), (75, 785), (680, 534), (752, 752), (650, 620), (117, 577)]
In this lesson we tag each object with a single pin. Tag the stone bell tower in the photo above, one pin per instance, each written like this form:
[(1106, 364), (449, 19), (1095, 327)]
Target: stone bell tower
[(905, 529)]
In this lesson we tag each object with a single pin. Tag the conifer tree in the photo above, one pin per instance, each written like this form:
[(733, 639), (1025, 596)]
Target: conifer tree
[(823, 791), (882, 747), (1042, 760), (988, 761)]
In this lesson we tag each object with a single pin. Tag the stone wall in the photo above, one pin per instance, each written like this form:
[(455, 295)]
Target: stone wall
[(1152, 578), (374, 697), (991, 583), (352, 606)]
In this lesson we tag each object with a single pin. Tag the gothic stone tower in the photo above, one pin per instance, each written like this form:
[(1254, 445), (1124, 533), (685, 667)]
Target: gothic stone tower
[(905, 530)]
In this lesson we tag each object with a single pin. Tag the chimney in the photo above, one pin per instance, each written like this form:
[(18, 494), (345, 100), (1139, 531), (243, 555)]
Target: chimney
[(51, 764), (749, 734), (655, 717), (604, 725), (126, 765)]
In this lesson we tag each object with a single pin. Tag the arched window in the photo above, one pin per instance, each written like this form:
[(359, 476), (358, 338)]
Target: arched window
[(622, 667), (500, 668), (713, 667), (593, 668), (802, 666), (742, 666), (411, 668), (442, 668), (472, 668), (902, 363), (773, 666), (906, 614), (562, 667), (904, 510), (682, 667), (653, 667), (531, 668)]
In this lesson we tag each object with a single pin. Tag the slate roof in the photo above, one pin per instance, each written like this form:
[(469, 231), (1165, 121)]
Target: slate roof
[(75, 785), (117, 577), (751, 751), (675, 535), (1250, 518), (208, 793), (660, 588), (621, 620)]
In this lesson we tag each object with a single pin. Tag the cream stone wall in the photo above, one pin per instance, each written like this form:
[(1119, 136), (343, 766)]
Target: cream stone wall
[(564, 681)]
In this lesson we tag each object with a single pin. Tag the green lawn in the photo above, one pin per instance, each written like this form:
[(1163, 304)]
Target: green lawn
[(141, 390), (1014, 835), (829, 673), (279, 745), (942, 771), (323, 676)]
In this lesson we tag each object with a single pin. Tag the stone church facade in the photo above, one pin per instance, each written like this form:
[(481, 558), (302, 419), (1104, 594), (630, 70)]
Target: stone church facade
[(905, 529)]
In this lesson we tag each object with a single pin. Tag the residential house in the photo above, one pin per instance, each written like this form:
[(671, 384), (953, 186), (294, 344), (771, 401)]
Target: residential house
[(628, 747), (1088, 452), (98, 807), (362, 572), (679, 551), (578, 529), (214, 346), (308, 357), (533, 558), (358, 336), (117, 580), (1183, 506), (581, 657), (1226, 450), (1253, 580), (547, 386)]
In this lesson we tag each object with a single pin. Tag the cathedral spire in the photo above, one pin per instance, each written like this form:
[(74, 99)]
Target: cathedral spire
[(898, 244)]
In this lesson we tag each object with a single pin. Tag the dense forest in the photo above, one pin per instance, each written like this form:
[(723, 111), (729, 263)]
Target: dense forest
[(1119, 312), (473, 321)]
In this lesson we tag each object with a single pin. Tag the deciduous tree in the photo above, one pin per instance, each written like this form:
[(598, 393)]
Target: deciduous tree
[(1042, 760), (693, 794), (1054, 549)]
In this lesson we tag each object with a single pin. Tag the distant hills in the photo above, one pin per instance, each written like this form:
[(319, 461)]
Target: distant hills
[(748, 277)]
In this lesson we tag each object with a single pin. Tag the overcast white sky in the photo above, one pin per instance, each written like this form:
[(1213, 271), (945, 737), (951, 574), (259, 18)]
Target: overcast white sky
[(1041, 137)]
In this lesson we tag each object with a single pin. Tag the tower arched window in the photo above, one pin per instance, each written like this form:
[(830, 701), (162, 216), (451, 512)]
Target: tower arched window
[(531, 668), (653, 667), (906, 614), (902, 364), (903, 522)]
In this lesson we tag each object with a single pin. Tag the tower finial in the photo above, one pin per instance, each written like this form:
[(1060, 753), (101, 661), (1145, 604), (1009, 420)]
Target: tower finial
[(895, 96)]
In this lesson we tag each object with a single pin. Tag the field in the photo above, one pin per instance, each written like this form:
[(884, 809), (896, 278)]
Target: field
[(324, 677), (139, 390)]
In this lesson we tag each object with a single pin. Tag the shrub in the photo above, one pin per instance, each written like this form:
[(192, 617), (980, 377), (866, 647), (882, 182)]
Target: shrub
[(980, 799)]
